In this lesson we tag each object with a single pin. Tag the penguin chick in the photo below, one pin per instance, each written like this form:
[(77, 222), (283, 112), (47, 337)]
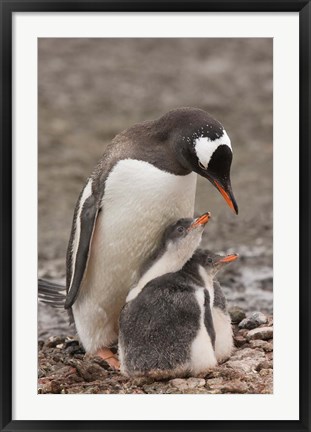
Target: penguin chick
[(166, 327), (208, 264)]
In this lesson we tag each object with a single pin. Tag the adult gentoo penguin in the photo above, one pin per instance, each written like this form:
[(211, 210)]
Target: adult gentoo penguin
[(166, 326), (145, 180)]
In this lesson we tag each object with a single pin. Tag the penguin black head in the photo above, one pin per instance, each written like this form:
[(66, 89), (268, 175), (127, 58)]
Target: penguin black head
[(202, 145), (213, 262)]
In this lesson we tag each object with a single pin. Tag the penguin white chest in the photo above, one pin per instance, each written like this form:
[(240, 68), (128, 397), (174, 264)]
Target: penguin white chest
[(140, 200)]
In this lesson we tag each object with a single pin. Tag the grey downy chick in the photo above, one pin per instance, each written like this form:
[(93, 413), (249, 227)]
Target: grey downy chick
[(207, 264), (166, 327)]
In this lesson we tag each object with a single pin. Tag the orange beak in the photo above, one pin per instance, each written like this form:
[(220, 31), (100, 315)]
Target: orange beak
[(229, 258), (229, 198), (202, 220)]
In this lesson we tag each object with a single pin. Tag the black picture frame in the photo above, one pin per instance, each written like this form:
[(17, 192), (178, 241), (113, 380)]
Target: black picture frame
[(8, 8)]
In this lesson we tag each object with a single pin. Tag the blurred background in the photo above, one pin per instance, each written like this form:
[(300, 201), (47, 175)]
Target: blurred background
[(92, 89)]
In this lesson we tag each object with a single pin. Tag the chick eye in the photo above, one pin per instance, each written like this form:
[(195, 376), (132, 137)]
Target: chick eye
[(180, 229), (209, 260), (201, 165)]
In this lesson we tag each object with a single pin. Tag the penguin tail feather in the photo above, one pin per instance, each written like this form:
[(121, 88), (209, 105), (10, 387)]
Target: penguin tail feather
[(51, 293)]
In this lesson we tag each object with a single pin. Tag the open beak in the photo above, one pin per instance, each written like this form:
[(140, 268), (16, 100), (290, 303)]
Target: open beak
[(228, 196), (201, 220), (229, 258)]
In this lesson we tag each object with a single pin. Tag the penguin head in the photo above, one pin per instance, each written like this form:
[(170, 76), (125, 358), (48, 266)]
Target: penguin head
[(213, 262), (182, 238), (202, 145)]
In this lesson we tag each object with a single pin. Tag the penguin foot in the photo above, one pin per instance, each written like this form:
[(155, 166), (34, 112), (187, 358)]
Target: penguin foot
[(107, 355)]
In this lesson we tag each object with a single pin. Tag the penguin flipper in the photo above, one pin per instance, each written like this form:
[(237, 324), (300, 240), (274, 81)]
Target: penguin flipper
[(80, 244)]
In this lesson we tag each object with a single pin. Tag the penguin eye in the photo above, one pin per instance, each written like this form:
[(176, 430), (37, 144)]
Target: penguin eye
[(201, 165), (180, 229), (209, 260)]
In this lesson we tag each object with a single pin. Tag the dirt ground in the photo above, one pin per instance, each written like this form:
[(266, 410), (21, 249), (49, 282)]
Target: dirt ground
[(91, 89)]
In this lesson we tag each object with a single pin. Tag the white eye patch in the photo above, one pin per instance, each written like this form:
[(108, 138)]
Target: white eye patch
[(205, 147)]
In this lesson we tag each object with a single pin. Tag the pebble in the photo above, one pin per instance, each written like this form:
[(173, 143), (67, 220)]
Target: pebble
[(53, 341), (266, 372), (266, 346), (49, 387), (246, 360), (263, 333), (242, 332), (237, 314), (264, 365), (253, 321), (158, 388), (214, 382), (69, 341), (235, 387), (89, 371), (239, 341), (185, 384), (41, 373)]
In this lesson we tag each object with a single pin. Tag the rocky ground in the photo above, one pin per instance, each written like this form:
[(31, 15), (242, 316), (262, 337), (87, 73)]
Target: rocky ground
[(65, 368)]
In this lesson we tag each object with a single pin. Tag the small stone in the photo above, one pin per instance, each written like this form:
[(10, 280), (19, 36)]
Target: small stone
[(246, 359), (89, 371), (185, 384), (57, 357), (242, 332), (253, 321), (53, 341), (55, 387), (235, 387), (69, 341), (263, 333), (270, 321), (41, 373), (75, 349), (266, 372), (237, 314), (214, 383), (196, 382), (264, 365), (239, 341), (158, 388), (266, 346), (47, 386), (62, 372), (179, 383)]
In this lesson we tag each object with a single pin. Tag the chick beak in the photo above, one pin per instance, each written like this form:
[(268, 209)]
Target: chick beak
[(228, 196), (229, 258), (201, 220)]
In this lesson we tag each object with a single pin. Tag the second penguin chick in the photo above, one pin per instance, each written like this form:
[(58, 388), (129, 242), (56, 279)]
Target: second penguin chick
[(166, 326), (208, 264)]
